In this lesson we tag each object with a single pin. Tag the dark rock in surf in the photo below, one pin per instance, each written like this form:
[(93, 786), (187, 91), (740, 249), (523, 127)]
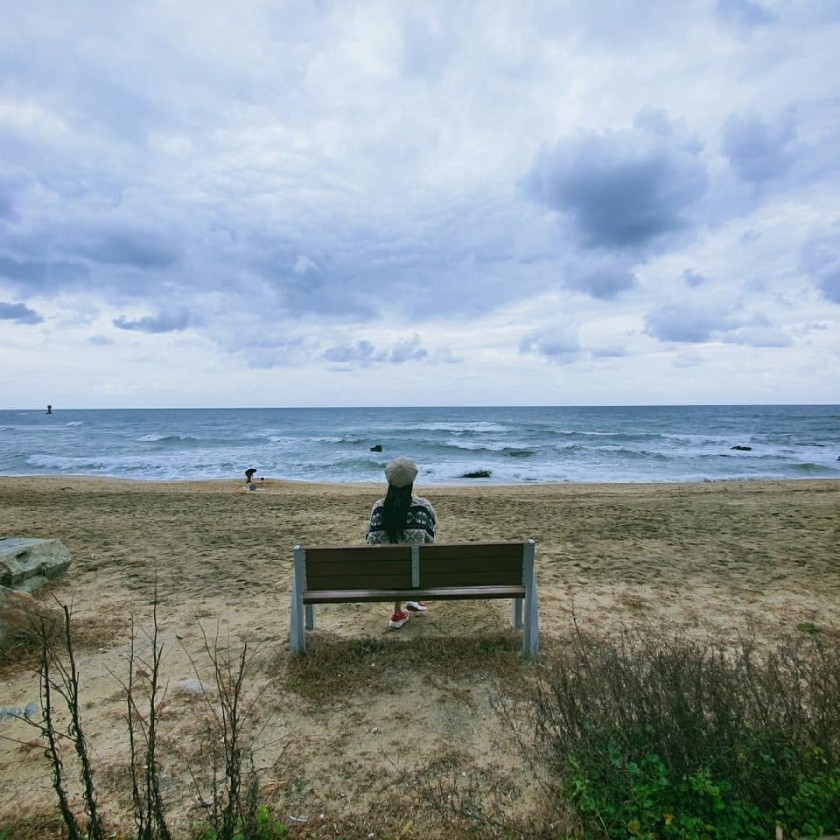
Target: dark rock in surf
[(377, 448), (741, 448), (518, 453), (477, 474)]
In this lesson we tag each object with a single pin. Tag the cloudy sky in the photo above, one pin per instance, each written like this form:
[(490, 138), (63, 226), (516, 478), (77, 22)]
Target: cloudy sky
[(419, 203)]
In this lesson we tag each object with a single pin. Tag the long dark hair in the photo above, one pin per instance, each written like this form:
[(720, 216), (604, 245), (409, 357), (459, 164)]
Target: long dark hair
[(395, 511)]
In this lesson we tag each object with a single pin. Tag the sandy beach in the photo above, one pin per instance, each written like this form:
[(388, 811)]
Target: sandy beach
[(341, 740)]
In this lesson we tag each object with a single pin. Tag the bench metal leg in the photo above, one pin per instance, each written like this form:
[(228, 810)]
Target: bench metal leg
[(531, 631), (309, 610), (517, 613), (297, 634)]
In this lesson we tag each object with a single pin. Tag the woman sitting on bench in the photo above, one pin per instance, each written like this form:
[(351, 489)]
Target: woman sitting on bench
[(401, 517)]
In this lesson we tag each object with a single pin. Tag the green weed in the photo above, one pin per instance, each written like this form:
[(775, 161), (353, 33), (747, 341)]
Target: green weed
[(670, 738), (265, 826)]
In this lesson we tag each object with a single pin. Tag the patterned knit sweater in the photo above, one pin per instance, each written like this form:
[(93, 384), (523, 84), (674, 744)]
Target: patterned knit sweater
[(419, 528)]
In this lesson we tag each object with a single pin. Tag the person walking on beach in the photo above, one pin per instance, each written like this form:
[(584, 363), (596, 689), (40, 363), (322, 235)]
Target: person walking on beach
[(401, 517)]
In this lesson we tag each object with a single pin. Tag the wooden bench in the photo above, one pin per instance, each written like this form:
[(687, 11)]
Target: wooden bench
[(433, 571)]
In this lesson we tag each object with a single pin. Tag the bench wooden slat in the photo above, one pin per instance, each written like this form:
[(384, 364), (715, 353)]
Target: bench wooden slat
[(361, 561), (472, 564), (341, 568), (355, 553), (514, 547), (461, 577), (359, 581), (461, 552), (358, 567), (352, 574)]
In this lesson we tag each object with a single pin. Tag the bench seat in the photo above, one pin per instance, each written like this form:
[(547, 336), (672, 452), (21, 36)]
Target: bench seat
[(459, 593)]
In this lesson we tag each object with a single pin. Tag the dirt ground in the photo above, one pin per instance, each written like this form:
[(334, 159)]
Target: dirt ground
[(375, 731)]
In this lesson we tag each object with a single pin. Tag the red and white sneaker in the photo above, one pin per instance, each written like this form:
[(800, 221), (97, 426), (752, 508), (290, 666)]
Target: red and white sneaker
[(398, 619), (416, 606)]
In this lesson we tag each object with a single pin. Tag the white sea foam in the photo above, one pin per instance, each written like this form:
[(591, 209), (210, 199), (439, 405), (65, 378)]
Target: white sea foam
[(152, 438), (516, 445), (464, 427)]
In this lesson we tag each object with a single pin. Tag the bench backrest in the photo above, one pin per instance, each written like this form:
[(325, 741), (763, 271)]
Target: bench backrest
[(418, 566)]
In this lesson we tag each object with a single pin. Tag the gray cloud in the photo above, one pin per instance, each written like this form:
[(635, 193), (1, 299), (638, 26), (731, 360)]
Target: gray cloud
[(464, 254), (692, 279), (7, 210), (116, 108), (560, 344), (701, 323), (330, 291), (141, 249), (604, 278), (364, 353), (820, 259), (429, 43), (40, 277), (757, 332), (20, 313), (265, 353), (624, 189), (163, 323), (688, 323), (756, 150), (612, 24), (743, 14), (23, 273), (610, 352), (407, 350)]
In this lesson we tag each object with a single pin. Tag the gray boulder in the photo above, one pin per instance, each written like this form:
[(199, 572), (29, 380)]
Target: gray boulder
[(27, 563)]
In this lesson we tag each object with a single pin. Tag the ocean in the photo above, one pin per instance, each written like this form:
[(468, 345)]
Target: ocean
[(513, 445)]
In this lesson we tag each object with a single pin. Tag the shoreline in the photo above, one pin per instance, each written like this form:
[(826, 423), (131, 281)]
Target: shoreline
[(466, 484)]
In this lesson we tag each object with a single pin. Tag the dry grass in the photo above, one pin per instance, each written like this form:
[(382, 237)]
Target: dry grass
[(335, 668), (90, 633)]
